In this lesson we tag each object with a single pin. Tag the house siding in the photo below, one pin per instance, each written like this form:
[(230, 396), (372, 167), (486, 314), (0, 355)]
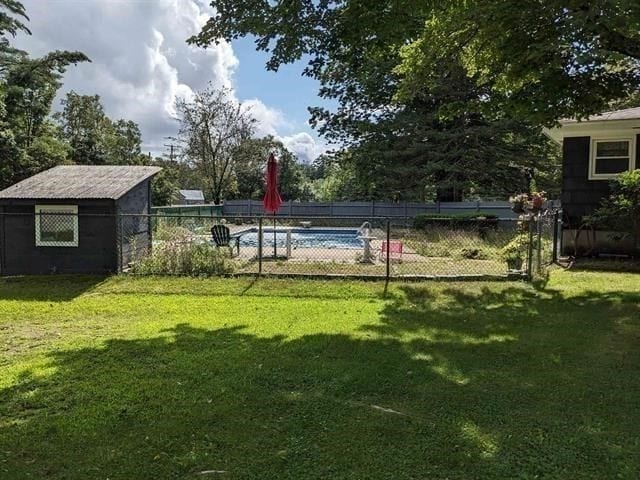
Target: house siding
[(580, 196), (95, 252)]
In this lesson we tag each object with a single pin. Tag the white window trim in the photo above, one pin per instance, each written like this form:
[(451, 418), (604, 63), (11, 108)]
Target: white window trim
[(592, 157), (70, 209)]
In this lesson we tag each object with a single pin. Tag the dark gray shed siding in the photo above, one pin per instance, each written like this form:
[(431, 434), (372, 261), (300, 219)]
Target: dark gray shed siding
[(134, 231), (96, 251), (581, 196)]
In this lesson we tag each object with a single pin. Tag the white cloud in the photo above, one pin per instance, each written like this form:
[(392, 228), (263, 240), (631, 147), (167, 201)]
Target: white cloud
[(141, 62), (269, 120), (304, 146)]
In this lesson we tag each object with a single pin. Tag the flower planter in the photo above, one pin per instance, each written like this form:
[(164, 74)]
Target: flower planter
[(515, 263)]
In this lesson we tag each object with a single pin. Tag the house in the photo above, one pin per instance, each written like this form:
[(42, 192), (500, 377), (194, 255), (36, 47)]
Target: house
[(189, 197), (69, 220), (594, 151)]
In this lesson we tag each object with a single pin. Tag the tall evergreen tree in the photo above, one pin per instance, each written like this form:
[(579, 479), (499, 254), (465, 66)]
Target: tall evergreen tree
[(28, 140)]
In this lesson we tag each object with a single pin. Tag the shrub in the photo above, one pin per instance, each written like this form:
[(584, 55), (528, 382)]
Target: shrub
[(185, 259), (183, 256), (621, 210), (476, 220), (169, 233), (473, 254), (515, 250)]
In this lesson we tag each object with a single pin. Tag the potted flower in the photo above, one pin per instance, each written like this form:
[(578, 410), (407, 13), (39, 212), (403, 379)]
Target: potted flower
[(514, 253), (514, 261), (519, 203), (538, 199), (524, 203)]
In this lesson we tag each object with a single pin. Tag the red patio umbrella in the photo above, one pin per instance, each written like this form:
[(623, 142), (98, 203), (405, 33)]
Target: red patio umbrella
[(272, 201)]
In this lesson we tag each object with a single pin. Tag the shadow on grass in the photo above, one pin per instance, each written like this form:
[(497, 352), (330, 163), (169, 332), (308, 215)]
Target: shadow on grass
[(624, 265), (51, 288), (506, 384)]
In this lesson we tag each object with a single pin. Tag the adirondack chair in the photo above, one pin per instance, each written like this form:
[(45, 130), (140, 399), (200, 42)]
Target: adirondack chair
[(395, 251), (222, 238)]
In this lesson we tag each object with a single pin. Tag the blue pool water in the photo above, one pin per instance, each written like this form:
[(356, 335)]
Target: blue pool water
[(304, 238)]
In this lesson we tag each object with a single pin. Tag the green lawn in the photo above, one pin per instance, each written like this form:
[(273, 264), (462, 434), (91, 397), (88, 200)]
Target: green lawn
[(158, 378)]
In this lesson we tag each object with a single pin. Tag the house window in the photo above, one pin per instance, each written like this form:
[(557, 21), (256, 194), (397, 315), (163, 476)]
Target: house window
[(610, 157), (56, 225)]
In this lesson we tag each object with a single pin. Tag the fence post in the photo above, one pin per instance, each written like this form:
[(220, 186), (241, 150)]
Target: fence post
[(556, 235), (437, 206), (539, 243), (260, 245), (388, 265), (530, 251)]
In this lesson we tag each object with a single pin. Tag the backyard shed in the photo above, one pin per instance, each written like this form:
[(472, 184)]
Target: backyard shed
[(67, 219), (189, 197)]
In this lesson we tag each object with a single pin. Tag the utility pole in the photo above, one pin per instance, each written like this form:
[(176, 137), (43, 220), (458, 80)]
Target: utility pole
[(171, 146)]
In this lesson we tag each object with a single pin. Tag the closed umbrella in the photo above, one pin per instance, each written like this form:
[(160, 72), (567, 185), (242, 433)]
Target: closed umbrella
[(272, 201)]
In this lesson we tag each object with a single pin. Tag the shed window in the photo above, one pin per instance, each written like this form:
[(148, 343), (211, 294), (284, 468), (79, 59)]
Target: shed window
[(56, 225), (610, 157)]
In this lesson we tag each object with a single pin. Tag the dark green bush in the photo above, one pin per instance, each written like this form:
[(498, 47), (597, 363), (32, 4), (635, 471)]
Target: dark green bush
[(463, 221), (620, 211)]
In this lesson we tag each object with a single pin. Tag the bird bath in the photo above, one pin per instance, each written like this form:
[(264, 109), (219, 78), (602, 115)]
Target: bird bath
[(367, 256), (366, 237)]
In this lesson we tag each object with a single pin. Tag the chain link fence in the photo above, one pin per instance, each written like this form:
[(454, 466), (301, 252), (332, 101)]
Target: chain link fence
[(359, 247), (372, 247)]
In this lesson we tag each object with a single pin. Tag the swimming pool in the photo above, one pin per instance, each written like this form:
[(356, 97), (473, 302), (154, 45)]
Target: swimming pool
[(304, 238)]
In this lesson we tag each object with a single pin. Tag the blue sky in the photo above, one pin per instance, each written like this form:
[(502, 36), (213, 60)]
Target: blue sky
[(285, 89), (141, 64)]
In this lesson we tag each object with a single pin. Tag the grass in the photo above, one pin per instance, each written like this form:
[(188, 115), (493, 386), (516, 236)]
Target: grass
[(127, 377), (458, 243), (408, 267)]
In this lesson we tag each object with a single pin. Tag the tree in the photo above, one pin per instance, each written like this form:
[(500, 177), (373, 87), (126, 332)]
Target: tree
[(84, 125), (339, 179), (212, 126), (93, 137), (165, 184), (28, 140), (12, 17), (249, 169), (446, 139), (27, 89), (29, 137), (249, 164), (621, 209), (123, 143), (292, 181), (541, 60)]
